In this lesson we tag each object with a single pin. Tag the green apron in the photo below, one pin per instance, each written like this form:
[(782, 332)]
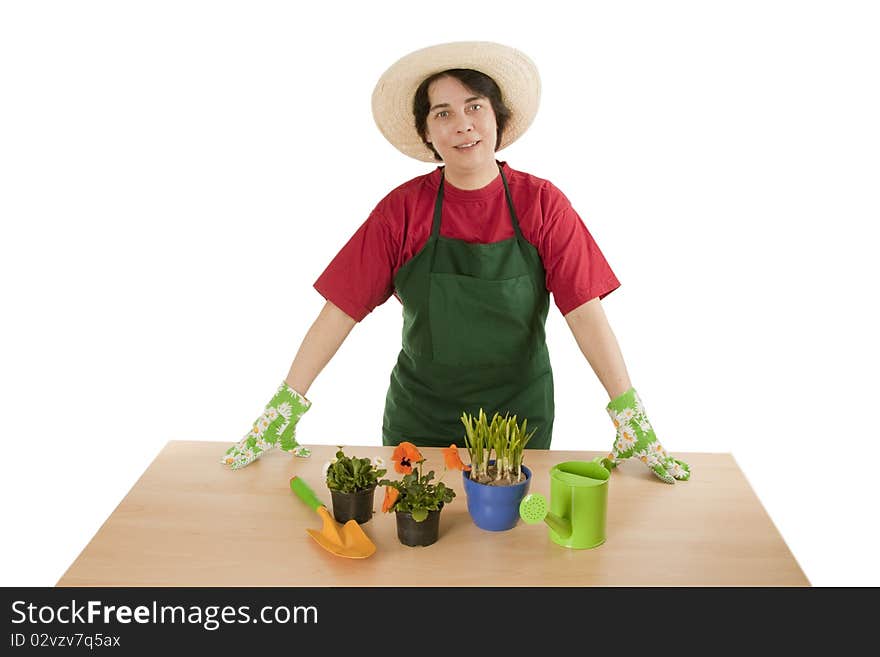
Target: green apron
[(473, 337)]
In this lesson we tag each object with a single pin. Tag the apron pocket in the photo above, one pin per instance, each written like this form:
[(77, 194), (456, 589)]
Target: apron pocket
[(481, 322)]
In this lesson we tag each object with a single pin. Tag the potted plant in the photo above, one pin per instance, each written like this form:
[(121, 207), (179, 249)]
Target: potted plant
[(352, 482), (415, 499), (495, 486)]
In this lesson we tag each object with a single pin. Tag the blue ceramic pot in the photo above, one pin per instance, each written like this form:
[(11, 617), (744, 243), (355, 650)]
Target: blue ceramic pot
[(495, 508)]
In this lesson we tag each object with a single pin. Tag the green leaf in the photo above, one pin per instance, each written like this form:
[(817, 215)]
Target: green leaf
[(419, 514), (350, 475)]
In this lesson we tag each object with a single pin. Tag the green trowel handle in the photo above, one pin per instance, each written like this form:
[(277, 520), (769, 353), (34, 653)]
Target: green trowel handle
[(305, 493)]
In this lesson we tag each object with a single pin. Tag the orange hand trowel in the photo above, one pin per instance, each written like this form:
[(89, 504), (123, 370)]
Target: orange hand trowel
[(348, 540)]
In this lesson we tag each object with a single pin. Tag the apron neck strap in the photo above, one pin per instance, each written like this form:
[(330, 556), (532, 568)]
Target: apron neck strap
[(438, 207), (510, 206)]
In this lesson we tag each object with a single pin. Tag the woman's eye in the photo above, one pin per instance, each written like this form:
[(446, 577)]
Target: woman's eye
[(441, 114), (476, 106)]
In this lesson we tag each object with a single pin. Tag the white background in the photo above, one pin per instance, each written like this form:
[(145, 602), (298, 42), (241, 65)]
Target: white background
[(175, 175)]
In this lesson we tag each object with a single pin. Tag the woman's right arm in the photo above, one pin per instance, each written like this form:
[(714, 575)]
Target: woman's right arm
[(322, 341), (277, 424)]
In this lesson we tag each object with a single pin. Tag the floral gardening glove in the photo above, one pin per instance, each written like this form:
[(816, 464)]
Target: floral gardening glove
[(277, 425), (635, 437)]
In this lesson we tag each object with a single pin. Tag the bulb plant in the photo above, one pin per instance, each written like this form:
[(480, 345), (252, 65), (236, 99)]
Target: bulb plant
[(502, 439)]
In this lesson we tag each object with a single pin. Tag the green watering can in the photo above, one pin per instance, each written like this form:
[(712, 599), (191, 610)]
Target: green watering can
[(578, 504)]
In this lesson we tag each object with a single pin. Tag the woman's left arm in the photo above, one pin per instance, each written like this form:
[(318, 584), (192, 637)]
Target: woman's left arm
[(597, 342), (635, 435)]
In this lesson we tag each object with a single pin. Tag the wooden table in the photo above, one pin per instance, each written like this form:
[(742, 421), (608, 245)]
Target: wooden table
[(189, 521)]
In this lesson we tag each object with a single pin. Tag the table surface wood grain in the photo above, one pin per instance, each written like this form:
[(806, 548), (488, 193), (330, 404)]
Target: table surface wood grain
[(190, 521)]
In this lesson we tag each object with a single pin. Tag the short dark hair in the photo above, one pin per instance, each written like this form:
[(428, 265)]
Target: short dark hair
[(478, 83)]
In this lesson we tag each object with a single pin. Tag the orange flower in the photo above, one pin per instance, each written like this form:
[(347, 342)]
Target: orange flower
[(391, 495), (453, 462), (405, 454)]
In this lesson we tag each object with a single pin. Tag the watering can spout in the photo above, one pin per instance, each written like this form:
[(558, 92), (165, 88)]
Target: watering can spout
[(561, 526), (533, 509)]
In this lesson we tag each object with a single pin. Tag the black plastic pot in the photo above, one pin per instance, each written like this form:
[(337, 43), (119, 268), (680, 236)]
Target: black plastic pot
[(358, 506), (412, 533)]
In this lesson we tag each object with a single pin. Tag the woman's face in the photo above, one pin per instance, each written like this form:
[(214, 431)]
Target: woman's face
[(459, 117)]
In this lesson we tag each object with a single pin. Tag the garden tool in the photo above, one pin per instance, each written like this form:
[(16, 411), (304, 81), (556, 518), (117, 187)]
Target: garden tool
[(578, 504), (348, 540)]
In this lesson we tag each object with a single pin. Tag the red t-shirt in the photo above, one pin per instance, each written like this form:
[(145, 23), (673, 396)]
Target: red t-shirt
[(361, 275)]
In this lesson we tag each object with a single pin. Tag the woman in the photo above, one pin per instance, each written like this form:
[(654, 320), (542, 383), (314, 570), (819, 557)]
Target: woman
[(472, 250)]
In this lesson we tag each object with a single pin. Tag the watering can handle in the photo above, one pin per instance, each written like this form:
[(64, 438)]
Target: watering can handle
[(600, 461), (305, 493)]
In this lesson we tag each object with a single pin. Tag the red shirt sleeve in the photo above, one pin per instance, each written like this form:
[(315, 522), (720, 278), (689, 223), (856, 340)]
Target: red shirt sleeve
[(576, 268), (360, 277)]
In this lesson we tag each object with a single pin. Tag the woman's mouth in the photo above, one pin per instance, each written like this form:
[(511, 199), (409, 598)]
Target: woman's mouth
[(468, 146)]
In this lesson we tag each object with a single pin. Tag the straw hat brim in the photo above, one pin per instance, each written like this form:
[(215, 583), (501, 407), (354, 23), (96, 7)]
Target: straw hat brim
[(515, 74)]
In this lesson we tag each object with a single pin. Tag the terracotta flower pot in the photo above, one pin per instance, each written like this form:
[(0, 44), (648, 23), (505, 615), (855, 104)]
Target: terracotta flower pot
[(357, 506)]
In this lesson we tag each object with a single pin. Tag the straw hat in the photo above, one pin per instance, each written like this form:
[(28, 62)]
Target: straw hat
[(515, 73)]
